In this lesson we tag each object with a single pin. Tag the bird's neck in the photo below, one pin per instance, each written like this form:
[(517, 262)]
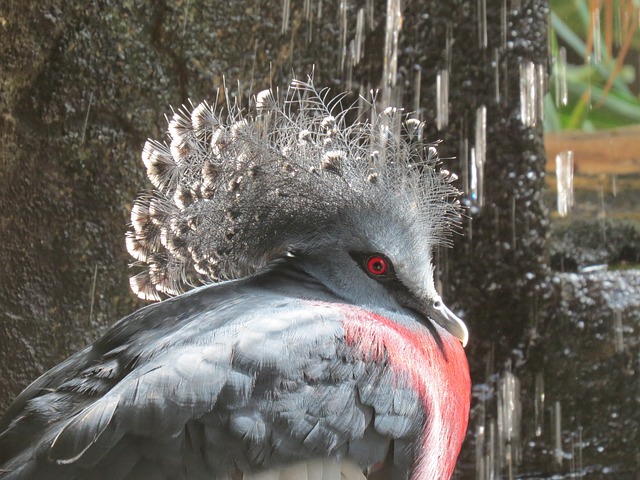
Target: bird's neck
[(441, 377)]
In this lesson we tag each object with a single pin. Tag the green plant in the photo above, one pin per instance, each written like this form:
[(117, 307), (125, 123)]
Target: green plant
[(598, 38)]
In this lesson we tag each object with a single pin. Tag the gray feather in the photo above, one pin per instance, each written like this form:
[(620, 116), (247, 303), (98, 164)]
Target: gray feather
[(234, 191), (293, 365), (187, 397)]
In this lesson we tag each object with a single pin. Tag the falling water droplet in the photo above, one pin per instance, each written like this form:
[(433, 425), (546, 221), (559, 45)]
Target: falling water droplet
[(351, 61), (473, 176), (579, 451), (478, 156), (492, 467), (370, 8), (614, 185), (307, 10), (417, 85), (539, 404), (564, 179), (482, 23), (595, 28), (496, 70), (541, 88), (528, 89), (562, 97), (343, 33), (308, 15), (509, 421), (286, 13), (618, 338), (513, 223), (602, 216), (558, 453), (442, 99), (359, 40), (503, 25), (391, 42)]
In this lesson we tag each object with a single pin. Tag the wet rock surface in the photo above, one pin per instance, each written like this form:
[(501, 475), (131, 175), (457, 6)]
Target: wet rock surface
[(81, 87), (588, 243), (567, 406)]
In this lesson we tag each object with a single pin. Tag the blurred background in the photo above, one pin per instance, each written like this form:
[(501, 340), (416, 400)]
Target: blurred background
[(537, 108)]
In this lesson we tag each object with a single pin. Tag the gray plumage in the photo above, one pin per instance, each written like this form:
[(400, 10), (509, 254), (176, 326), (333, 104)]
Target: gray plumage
[(309, 354), (193, 373), (234, 191)]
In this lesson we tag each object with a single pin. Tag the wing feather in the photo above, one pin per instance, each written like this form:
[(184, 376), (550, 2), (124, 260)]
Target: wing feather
[(230, 376), (83, 430)]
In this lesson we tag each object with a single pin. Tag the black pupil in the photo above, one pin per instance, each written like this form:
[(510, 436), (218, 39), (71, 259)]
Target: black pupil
[(377, 265)]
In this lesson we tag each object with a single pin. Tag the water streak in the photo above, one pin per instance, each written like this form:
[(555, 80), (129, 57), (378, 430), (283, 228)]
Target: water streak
[(558, 452), (513, 223), (350, 64), (602, 216), (473, 176), (370, 8), (560, 77), (541, 88), (509, 421), (595, 28), (528, 89), (286, 13), (486, 466), (496, 70), (538, 405), (614, 185), (343, 33), (478, 157), (618, 338), (503, 25), (359, 40), (391, 42), (307, 10), (482, 23), (564, 179), (308, 15), (442, 99), (580, 444), (417, 87), (491, 464)]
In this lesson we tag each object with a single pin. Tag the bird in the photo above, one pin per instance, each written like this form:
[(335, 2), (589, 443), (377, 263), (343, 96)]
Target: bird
[(295, 329)]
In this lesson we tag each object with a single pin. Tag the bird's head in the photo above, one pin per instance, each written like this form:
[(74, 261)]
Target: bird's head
[(381, 256), (361, 204)]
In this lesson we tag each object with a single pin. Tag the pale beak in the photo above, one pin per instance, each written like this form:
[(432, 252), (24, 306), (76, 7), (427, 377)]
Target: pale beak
[(449, 321)]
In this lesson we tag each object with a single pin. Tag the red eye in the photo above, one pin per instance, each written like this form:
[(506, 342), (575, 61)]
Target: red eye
[(377, 265)]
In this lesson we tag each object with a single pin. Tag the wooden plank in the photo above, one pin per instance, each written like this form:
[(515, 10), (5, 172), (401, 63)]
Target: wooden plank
[(615, 151)]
